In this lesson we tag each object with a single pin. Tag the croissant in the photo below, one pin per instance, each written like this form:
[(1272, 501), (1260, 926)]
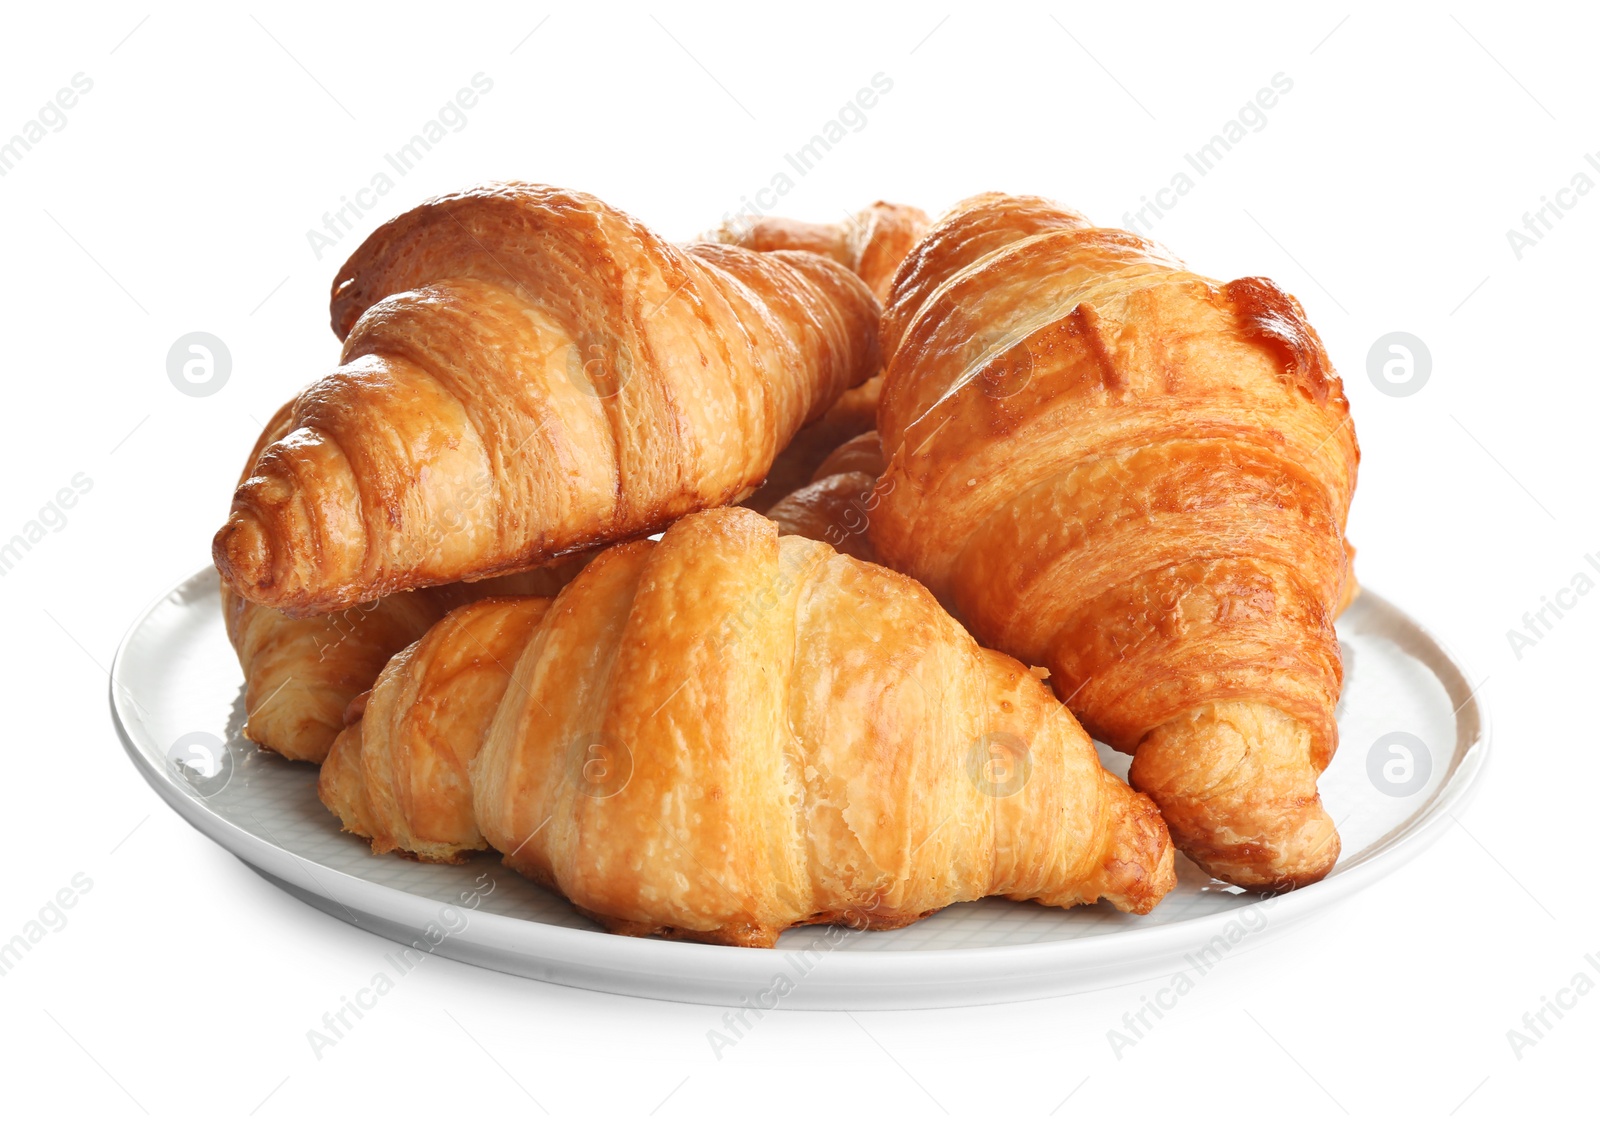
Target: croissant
[(527, 371), (301, 674), (872, 243), (1138, 477), (727, 733)]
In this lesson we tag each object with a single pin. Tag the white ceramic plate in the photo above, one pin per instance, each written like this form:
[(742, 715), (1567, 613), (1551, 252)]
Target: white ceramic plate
[(1414, 740)]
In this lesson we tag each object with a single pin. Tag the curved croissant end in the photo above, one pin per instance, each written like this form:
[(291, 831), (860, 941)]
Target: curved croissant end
[(301, 673), (836, 506), (527, 371), (727, 733), (1139, 477), (872, 243)]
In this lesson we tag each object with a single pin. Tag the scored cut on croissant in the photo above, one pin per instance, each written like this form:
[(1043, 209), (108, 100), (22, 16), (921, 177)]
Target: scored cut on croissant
[(729, 732), (1138, 477), (527, 371), (872, 242)]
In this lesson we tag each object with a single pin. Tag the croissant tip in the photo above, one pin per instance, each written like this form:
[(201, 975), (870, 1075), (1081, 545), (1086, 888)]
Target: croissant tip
[(1144, 869), (1275, 878), (243, 555)]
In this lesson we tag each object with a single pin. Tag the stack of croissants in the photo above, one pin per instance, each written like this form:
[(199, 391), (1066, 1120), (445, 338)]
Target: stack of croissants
[(782, 577)]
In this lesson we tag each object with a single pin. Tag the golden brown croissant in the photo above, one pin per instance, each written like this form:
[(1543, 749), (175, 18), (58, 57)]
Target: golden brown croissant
[(527, 371), (301, 673), (1139, 477), (872, 243), (726, 733)]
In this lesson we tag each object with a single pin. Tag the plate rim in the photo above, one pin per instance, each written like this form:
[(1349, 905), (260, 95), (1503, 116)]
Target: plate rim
[(668, 962)]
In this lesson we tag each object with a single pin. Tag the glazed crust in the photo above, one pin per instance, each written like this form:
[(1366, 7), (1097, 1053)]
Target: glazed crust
[(527, 372), (1139, 477), (729, 732)]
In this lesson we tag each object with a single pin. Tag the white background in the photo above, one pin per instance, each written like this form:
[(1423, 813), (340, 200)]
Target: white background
[(177, 198)]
